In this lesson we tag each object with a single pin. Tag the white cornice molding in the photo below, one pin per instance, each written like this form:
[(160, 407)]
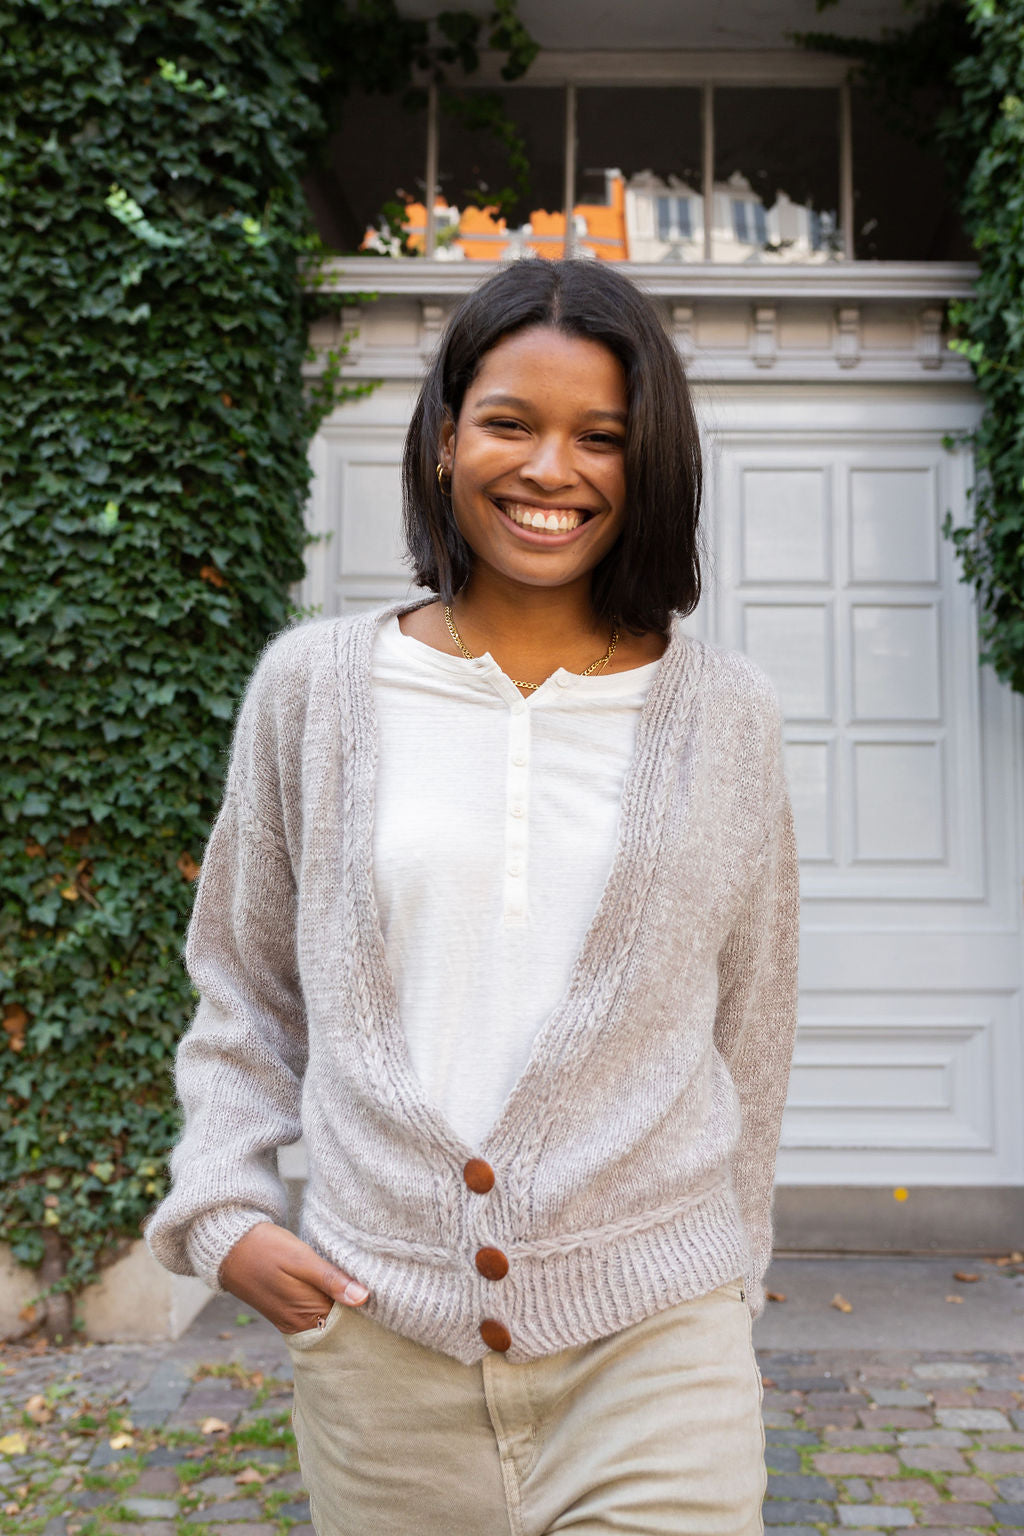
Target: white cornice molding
[(864, 282)]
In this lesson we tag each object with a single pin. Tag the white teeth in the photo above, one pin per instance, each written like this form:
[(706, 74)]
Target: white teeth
[(551, 522)]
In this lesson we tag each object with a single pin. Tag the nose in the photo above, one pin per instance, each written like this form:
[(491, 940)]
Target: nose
[(550, 464)]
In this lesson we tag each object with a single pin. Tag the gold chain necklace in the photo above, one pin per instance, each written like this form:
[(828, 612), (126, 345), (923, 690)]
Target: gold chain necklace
[(600, 662)]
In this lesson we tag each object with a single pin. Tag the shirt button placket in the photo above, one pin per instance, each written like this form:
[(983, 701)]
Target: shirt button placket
[(517, 809)]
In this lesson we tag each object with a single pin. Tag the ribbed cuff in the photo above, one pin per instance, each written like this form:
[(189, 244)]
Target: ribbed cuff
[(212, 1236)]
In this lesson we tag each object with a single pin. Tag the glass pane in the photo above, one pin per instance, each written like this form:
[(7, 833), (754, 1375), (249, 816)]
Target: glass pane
[(475, 169), (348, 188), (903, 207), (638, 181), (776, 175)]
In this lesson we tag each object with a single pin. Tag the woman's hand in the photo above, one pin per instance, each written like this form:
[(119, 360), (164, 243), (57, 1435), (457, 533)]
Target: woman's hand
[(274, 1271)]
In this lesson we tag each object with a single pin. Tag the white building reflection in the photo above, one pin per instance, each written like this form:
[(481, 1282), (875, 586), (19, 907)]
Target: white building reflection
[(642, 219)]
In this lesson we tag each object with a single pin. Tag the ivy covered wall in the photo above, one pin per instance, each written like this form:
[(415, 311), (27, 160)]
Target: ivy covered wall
[(153, 476)]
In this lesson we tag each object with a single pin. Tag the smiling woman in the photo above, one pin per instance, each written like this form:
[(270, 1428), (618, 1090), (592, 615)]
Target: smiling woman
[(558, 384), (501, 914)]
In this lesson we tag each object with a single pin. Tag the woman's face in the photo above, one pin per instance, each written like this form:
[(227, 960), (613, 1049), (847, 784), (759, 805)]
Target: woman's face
[(537, 457)]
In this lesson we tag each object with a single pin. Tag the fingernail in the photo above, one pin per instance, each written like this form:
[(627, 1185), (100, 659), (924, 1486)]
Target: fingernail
[(355, 1293)]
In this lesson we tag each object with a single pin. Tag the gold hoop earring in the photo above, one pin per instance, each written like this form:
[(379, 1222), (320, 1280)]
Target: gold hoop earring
[(445, 489)]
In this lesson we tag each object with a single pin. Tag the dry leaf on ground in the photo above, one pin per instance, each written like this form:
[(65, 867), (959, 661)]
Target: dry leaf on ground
[(213, 1426), (120, 1442), (956, 1299), (38, 1409), (13, 1445), (774, 1295), (840, 1303), (964, 1277), (250, 1475)]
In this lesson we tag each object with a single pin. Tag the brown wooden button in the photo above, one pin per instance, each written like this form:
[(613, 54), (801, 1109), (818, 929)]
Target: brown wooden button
[(491, 1263), (495, 1335), (480, 1177)]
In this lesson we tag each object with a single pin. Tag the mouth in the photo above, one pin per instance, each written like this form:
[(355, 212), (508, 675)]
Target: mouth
[(544, 519)]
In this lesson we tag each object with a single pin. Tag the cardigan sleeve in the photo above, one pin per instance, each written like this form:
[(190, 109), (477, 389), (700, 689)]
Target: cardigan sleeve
[(755, 1027), (240, 1066)]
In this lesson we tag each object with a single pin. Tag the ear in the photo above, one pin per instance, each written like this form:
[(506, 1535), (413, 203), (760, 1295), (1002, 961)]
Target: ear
[(446, 448)]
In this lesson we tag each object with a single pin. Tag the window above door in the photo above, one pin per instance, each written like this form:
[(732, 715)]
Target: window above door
[(754, 160)]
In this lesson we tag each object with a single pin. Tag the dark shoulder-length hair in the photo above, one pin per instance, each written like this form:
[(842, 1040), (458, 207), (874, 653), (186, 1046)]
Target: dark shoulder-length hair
[(654, 567)]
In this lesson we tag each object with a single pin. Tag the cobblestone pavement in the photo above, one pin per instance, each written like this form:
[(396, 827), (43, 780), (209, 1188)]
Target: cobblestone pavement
[(195, 1440)]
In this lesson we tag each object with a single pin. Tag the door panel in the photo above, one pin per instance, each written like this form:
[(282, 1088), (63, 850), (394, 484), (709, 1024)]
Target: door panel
[(831, 571)]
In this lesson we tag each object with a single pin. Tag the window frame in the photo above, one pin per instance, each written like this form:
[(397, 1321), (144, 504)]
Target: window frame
[(704, 69)]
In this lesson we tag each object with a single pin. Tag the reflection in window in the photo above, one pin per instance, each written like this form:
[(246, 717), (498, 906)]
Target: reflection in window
[(903, 210), (644, 144), (639, 180), (347, 188), (674, 222), (776, 175)]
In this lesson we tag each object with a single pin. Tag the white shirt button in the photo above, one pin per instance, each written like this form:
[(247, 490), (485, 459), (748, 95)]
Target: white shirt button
[(515, 869), (519, 760), (564, 680), (517, 810)]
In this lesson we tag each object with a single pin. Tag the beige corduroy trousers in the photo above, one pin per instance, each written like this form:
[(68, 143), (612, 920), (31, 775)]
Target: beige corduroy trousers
[(653, 1430)]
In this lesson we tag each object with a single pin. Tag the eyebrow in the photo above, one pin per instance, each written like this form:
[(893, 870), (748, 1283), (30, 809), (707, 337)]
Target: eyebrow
[(519, 404)]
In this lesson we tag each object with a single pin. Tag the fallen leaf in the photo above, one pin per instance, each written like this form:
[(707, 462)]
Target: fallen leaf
[(188, 867), (13, 1445), (27, 1314), (12, 1509), (121, 1442), (38, 1409), (70, 892), (250, 1475), (956, 1299), (767, 1381), (211, 574), (34, 850), (840, 1303), (227, 1335), (964, 1277), (1009, 1258), (213, 1426), (774, 1296)]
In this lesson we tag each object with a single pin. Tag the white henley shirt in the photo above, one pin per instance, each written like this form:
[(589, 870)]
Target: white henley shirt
[(495, 827)]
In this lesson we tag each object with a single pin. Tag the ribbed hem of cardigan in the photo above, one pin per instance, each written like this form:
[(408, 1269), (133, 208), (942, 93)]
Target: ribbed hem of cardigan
[(549, 1303), (212, 1236)]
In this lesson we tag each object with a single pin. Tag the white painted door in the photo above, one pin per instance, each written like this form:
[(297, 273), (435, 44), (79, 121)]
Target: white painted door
[(832, 572)]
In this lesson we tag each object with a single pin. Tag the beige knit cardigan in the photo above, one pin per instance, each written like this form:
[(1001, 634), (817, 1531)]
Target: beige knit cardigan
[(634, 1158)]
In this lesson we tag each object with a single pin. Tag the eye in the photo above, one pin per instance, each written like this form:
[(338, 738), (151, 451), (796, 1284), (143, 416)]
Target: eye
[(605, 439), (504, 424)]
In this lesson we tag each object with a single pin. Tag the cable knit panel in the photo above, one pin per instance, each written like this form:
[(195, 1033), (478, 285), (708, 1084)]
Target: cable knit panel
[(633, 1160)]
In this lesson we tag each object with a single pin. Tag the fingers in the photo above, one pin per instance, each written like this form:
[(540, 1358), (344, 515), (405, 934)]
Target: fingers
[(342, 1287), (285, 1279)]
